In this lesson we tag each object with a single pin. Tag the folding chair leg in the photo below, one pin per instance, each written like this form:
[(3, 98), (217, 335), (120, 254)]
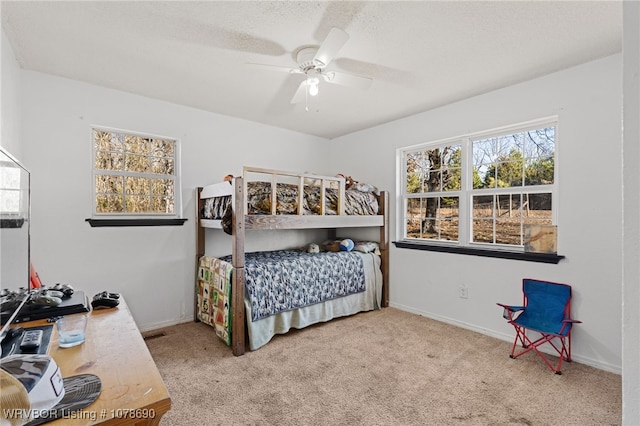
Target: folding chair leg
[(564, 351)]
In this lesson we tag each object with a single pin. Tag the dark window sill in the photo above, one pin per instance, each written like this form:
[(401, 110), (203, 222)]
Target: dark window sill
[(11, 223), (135, 222), (530, 257)]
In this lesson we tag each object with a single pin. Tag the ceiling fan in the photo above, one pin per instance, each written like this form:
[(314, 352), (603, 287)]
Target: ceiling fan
[(312, 62)]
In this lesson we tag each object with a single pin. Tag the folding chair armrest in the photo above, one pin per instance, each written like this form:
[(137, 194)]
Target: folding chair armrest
[(511, 308), (572, 321)]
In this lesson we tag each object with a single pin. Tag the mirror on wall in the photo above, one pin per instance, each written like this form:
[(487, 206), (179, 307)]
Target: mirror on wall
[(14, 223)]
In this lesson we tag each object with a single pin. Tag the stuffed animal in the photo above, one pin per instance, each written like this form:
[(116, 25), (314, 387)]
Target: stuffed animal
[(348, 180), (346, 244), (313, 248)]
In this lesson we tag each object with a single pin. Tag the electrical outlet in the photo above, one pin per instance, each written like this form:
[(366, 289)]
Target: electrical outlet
[(463, 291)]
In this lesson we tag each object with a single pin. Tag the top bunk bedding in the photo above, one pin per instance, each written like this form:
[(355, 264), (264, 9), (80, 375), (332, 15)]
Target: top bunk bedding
[(322, 197), (259, 201)]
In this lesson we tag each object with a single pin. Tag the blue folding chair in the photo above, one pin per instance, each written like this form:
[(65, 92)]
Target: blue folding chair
[(546, 310)]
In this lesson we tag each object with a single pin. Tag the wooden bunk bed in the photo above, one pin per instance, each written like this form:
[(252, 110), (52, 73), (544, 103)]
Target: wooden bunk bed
[(243, 219)]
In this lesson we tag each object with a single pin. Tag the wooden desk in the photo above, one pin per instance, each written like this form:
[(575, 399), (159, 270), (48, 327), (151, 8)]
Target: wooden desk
[(133, 392)]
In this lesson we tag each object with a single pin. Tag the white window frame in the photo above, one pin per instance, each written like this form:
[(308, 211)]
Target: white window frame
[(177, 189), (465, 195)]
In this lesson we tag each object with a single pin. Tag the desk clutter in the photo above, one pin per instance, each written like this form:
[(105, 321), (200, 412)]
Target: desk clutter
[(44, 302), (32, 340), (33, 392)]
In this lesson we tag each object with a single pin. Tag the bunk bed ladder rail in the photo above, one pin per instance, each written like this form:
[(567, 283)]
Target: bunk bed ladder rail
[(238, 318)]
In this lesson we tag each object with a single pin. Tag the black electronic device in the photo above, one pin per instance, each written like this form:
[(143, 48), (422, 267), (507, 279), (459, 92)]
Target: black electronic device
[(76, 303), (31, 340), (105, 300), (11, 344)]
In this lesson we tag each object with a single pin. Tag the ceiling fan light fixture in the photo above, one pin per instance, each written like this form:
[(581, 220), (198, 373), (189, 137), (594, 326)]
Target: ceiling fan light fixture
[(313, 89), (313, 81)]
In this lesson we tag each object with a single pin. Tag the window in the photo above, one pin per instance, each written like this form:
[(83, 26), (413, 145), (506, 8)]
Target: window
[(134, 176), (480, 190)]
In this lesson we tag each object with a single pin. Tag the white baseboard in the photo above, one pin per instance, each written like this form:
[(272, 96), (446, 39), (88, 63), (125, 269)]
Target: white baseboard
[(617, 369), (163, 324)]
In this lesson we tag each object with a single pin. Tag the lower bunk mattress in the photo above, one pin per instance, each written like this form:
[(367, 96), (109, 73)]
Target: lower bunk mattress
[(288, 289)]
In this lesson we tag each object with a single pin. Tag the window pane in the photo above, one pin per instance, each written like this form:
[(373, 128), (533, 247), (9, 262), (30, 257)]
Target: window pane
[(162, 187), (109, 203), (537, 205), (136, 163), (163, 166), (483, 230), (138, 204), (483, 206), (540, 143), (413, 207), (136, 145), (413, 218), (432, 172), (449, 208), (539, 171), (137, 185), (452, 156), (162, 204), (108, 161), (415, 172), (429, 229), (109, 184), (162, 148), (508, 231), (449, 230), (413, 227), (107, 141), (509, 174), (430, 206), (452, 179)]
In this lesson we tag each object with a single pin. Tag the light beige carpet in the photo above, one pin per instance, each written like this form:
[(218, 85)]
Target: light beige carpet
[(385, 367)]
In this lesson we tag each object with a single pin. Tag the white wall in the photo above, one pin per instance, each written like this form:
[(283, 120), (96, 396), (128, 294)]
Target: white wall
[(154, 267), (9, 99), (587, 101), (631, 215)]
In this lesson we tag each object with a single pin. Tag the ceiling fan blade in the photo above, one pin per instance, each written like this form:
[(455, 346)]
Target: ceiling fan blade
[(300, 94), (275, 68), (350, 80), (330, 46)]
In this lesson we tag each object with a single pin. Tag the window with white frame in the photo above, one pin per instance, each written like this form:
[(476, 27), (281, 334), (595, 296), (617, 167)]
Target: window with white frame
[(481, 189), (134, 175)]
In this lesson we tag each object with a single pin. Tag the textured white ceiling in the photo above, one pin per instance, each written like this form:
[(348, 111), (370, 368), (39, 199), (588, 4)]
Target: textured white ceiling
[(422, 54)]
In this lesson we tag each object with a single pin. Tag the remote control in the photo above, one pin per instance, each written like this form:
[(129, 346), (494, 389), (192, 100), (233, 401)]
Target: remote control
[(31, 339)]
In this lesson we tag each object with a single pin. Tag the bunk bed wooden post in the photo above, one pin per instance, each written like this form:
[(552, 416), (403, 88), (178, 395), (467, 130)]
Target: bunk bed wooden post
[(199, 249), (384, 247), (237, 285)]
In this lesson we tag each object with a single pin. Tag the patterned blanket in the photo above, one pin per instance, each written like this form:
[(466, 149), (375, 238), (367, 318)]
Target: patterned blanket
[(259, 202), (214, 295), (284, 280)]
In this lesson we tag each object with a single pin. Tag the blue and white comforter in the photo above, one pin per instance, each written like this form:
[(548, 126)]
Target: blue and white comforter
[(284, 280)]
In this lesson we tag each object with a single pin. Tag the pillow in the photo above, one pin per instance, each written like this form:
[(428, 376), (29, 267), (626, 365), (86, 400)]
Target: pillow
[(365, 246), (364, 187)]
